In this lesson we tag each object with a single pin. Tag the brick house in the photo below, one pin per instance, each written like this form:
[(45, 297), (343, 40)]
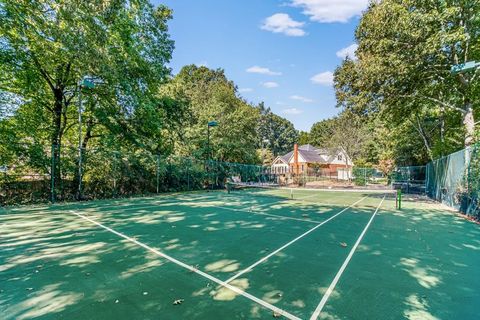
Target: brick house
[(313, 161)]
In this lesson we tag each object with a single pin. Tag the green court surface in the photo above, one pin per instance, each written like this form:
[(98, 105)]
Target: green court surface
[(248, 254)]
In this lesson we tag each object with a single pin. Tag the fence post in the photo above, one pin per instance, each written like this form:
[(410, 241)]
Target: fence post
[(114, 173), (52, 175), (158, 172)]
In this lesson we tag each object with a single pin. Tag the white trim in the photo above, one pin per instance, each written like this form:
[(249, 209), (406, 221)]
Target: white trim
[(289, 243), (192, 269), (343, 190), (281, 160), (330, 289)]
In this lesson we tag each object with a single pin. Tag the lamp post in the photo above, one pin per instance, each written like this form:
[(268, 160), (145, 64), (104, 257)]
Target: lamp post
[(264, 142), (209, 125), (85, 83), (464, 67)]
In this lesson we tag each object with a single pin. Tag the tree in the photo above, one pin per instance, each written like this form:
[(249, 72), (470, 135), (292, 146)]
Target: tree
[(266, 156), (209, 95), (47, 48), (403, 73), (350, 134), (303, 137), (386, 166), (321, 132), (279, 132)]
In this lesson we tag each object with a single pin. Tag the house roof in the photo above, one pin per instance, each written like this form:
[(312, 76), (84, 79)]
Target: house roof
[(306, 153), (287, 156), (308, 147), (311, 156)]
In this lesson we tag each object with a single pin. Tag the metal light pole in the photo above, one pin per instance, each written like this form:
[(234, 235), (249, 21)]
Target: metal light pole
[(209, 124), (90, 85)]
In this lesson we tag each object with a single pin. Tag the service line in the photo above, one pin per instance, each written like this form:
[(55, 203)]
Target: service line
[(290, 243), (330, 289)]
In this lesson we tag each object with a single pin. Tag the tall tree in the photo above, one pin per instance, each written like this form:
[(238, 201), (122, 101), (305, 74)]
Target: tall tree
[(279, 132), (406, 51), (321, 132), (303, 137), (48, 47), (210, 96), (351, 134)]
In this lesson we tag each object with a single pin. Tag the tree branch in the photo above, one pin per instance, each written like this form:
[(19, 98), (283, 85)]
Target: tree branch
[(43, 72), (446, 105)]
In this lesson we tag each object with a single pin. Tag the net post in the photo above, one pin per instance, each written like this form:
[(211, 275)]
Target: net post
[(158, 172)]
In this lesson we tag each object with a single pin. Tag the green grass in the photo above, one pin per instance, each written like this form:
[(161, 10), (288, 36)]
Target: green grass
[(418, 263)]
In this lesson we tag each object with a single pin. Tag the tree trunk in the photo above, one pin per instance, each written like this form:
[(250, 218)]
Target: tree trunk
[(56, 142), (418, 126), (469, 123)]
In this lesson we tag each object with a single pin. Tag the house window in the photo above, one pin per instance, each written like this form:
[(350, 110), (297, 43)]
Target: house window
[(302, 167), (340, 157)]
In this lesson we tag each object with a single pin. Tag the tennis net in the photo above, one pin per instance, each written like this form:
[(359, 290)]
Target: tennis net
[(333, 197)]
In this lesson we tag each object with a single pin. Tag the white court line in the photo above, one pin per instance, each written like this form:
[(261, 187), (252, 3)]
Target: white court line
[(269, 214), (141, 206), (192, 269), (290, 243), (330, 289), (285, 199)]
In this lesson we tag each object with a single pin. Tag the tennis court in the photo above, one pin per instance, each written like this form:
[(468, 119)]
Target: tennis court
[(256, 253)]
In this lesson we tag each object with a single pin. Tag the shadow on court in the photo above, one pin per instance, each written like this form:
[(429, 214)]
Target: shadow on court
[(418, 262)]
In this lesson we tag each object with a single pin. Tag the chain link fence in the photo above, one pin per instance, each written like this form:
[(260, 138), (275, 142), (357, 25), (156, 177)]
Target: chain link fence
[(455, 180), (410, 179), (52, 174)]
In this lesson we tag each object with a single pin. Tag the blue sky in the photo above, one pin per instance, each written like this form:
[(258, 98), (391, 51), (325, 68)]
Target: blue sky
[(281, 52)]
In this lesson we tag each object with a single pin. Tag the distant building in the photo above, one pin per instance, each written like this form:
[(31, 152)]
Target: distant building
[(315, 161)]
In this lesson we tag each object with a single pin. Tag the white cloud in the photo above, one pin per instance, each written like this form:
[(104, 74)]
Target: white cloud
[(282, 23), (300, 98), (270, 84), (324, 78), (348, 52), (261, 70), (328, 11), (243, 90), (292, 111)]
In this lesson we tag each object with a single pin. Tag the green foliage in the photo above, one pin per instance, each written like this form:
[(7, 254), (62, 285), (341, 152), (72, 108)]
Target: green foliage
[(402, 77), (279, 132), (321, 133), (209, 95), (303, 138), (47, 48)]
